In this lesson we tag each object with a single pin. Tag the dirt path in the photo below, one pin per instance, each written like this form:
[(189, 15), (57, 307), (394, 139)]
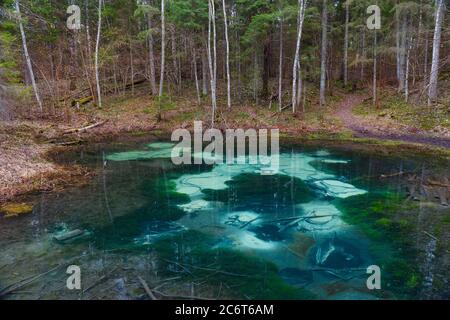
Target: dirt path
[(367, 128)]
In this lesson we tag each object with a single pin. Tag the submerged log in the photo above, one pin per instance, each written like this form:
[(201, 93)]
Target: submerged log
[(69, 235)]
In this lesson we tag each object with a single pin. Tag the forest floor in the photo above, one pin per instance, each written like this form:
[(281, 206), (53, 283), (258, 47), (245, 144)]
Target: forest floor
[(382, 124), (25, 144)]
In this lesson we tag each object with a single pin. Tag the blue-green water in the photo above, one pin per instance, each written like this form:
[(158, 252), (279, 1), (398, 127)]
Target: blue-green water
[(226, 231)]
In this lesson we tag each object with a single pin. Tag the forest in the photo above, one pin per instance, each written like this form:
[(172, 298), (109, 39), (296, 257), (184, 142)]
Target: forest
[(90, 91)]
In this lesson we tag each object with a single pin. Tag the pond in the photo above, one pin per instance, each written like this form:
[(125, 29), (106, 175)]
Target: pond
[(221, 231)]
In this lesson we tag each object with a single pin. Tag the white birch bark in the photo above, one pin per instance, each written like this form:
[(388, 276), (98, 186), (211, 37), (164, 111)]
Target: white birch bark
[(300, 20), (97, 47), (433, 85), (228, 54), (27, 57), (212, 57)]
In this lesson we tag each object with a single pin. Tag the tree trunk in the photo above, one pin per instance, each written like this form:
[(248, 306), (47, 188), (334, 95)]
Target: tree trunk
[(363, 53), (347, 17), (212, 57), (197, 87), (204, 72), (374, 89), (266, 67), (228, 55), (323, 58), (397, 45), (163, 48), (97, 46), (296, 67), (402, 58), (280, 69), (174, 53), (408, 63), (27, 57), (433, 85), (151, 55)]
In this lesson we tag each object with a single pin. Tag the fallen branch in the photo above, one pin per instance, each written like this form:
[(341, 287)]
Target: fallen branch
[(213, 270), (301, 218), (147, 289), (248, 222), (430, 235), (22, 283), (438, 184), (92, 126), (180, 296)]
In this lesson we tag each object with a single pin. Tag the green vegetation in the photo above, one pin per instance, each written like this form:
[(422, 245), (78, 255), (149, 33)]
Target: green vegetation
[(11, 210), (389, 221), (393, 107), (250, 277)]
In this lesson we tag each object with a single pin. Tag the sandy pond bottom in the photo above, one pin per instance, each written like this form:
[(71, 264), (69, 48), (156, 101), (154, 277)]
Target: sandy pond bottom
[(221, 231)]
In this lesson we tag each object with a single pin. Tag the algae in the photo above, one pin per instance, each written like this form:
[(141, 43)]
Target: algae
[(189, 254), (11, 210)]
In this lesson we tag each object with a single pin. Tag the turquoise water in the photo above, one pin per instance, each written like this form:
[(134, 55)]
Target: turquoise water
[(226, 231)]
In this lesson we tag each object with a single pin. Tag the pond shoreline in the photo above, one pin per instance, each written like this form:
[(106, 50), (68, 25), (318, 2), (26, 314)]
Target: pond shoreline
[(33, 156)]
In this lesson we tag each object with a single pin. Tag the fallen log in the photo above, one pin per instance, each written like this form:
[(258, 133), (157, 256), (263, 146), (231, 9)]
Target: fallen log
[(68, 143), (69, 235), (92, 126), (82, 101)]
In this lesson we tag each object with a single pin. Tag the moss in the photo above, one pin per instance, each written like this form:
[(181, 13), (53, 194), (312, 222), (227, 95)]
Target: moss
[(384, 223), (379, 216), (395, 108), (16, 209)]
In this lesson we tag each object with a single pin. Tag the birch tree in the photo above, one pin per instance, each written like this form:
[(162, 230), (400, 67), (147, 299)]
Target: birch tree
[(433, 85), (212, 56), (97, 47), (228, 54), (27, 57), (296, 67), (323, 57)]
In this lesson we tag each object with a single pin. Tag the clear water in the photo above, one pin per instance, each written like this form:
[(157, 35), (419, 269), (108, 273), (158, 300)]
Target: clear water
[(226, 231)]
